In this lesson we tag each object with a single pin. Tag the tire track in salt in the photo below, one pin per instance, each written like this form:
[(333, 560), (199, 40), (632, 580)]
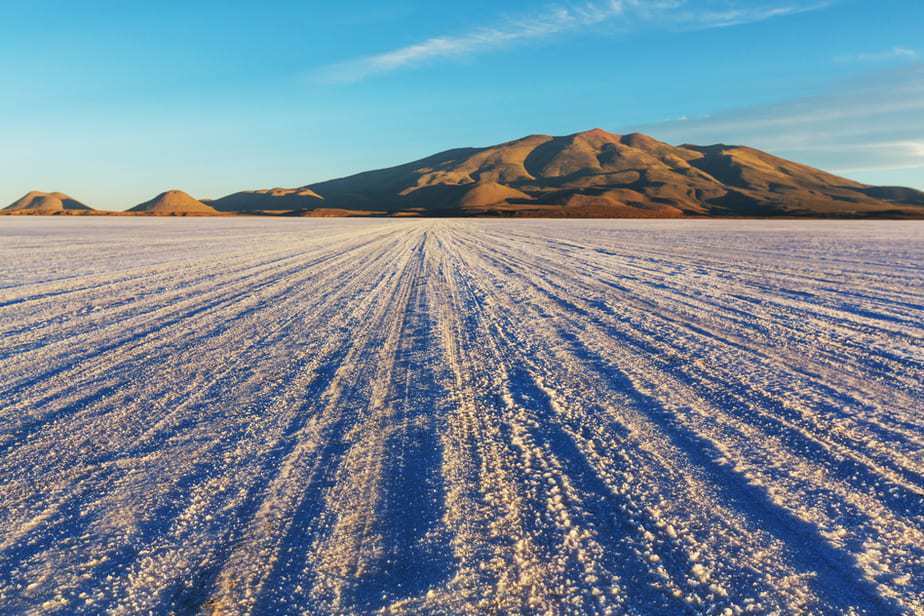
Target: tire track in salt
[(466, 417)]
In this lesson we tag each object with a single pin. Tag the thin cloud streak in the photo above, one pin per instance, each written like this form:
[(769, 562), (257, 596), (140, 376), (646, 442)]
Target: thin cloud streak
[(659, 14), (707, 20), (870, 124), (896, 53)]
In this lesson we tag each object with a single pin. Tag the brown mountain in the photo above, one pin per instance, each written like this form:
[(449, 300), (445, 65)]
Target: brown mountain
[(42, 203), (273, 199), (600, 174), (173, 203)]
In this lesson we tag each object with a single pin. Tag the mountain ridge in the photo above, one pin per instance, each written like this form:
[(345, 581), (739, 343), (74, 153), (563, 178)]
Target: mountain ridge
[(601, 174), (592, 173)]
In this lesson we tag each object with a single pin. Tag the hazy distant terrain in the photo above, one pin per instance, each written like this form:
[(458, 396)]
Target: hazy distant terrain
[(270, 416)]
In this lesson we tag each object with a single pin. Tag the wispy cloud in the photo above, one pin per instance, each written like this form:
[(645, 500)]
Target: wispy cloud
[(874, 122), (708, 18), (558, 20), (895, 53)]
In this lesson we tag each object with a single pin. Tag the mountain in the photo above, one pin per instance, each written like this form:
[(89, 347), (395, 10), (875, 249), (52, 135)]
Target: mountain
[(47, 203), (596, 174), (174, 203), (273, 199)]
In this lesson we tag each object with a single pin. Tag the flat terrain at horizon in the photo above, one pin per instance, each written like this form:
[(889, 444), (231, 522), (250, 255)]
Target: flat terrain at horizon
[(458, 416)]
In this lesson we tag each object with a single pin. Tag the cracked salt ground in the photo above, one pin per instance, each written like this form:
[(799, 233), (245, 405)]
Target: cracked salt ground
[(357, 416)]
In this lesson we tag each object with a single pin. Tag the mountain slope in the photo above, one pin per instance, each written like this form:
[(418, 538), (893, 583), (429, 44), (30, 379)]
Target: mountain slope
[(173, 203), (44, 203), (273, 199), (596, 173)]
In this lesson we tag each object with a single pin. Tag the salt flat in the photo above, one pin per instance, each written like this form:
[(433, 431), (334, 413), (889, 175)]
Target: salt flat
[(284, 416)]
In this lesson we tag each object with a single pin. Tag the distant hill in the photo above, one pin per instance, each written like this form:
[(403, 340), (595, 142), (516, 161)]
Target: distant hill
[(595, 174), (173, 203), (273, 199), (47, 203)]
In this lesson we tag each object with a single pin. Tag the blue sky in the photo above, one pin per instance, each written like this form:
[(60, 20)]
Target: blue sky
[(115, 101)]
